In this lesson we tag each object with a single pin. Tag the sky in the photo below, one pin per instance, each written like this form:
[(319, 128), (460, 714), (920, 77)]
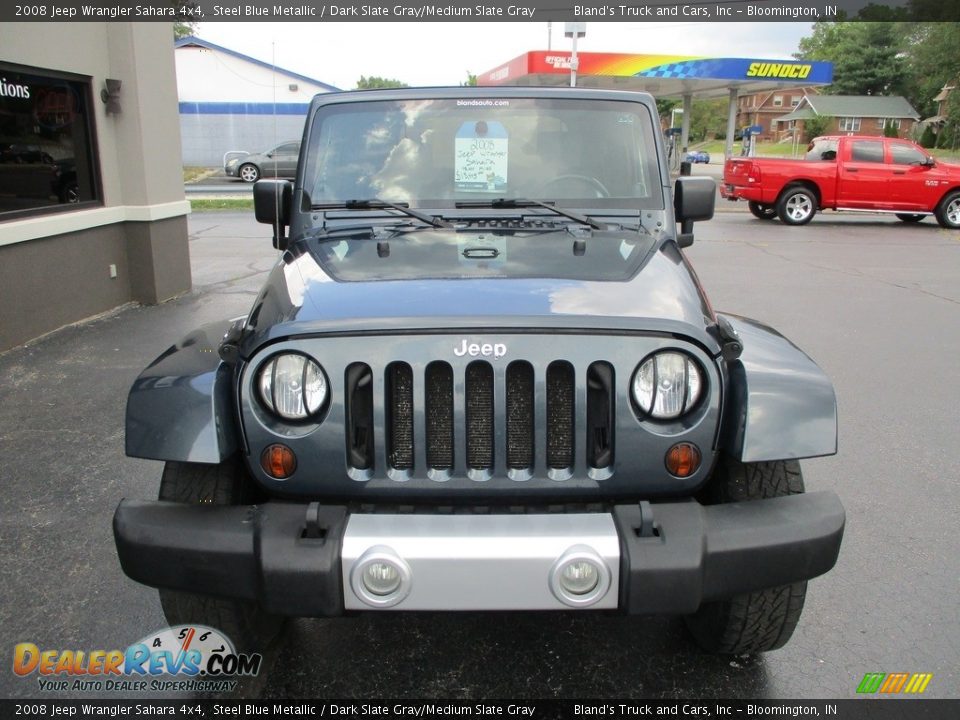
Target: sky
[(443, 53)]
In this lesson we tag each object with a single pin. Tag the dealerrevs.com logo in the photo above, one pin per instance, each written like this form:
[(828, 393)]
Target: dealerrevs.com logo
[(189, 658)]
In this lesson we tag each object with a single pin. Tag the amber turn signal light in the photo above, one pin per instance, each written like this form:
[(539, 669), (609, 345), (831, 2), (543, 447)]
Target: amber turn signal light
[(278, 461), (683, 459)]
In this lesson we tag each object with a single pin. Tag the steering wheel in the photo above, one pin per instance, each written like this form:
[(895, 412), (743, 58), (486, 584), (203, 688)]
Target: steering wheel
[(596, 188)]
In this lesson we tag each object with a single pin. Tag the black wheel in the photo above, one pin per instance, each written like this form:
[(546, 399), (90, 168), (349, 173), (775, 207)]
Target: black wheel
[(249, 173), (909, 218), (572, 185), (757, 621), (228, 483), (797, 205), (764, 212), (948, 211)]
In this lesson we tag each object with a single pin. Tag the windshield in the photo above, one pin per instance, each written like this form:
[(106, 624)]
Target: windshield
[(438, 152)]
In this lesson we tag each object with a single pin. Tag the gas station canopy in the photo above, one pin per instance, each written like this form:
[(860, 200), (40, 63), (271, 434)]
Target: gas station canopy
[(663, 76), (659, 75)]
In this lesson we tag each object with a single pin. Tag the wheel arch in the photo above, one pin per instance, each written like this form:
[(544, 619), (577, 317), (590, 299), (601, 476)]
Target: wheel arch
[(802, 182), (180, 407), (779, 404), (943, 196)]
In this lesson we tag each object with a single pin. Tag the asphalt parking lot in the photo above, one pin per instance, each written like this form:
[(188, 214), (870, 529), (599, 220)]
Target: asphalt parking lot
[(875, 302)]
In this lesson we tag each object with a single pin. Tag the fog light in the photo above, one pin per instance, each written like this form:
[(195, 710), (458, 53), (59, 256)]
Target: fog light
[(683, 459), (278, 461), (580, 577), (380, 578)]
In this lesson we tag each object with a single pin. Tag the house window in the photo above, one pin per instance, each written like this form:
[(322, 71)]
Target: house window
[(849, 124), (777, 100), (794, 101), (47, 158)]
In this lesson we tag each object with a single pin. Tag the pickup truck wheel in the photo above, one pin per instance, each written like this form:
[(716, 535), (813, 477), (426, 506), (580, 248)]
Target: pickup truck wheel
[(797, 205), (763, 620), (910, 218), (228, 483), (764, 212), (948, 211)]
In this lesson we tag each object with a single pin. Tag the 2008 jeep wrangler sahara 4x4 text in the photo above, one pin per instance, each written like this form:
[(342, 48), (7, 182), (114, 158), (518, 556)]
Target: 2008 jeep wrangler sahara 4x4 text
[(483, 376)]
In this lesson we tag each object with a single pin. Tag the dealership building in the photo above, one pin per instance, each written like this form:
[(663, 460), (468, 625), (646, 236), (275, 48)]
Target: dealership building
[(92, 210)]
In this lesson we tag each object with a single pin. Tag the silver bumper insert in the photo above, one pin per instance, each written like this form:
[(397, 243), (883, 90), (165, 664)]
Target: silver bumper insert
[(479, 562)]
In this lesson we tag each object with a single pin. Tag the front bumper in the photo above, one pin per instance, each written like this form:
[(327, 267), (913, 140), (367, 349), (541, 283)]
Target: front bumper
[(299, 560)]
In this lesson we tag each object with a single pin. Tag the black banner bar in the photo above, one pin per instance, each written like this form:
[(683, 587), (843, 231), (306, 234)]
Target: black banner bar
[(486, 10), (849, 709)]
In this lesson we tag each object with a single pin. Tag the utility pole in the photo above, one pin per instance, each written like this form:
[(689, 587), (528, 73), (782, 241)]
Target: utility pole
[(574, 30)]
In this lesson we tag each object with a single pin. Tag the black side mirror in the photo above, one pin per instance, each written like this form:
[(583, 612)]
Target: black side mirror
[(272, 202), (693, 199)]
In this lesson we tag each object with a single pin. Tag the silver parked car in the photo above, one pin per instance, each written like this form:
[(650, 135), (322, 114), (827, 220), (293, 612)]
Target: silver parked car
[(279, 161)]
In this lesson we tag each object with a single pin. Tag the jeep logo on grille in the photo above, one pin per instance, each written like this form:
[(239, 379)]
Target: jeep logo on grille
[(497, 350)]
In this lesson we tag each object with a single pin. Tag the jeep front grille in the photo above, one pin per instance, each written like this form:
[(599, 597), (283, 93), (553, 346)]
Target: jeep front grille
[(480, 419)]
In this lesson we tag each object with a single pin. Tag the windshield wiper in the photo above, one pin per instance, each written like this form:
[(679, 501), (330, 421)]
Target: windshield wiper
[(377, 204), (524, 202)]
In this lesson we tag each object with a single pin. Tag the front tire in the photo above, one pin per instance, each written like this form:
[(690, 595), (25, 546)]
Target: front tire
[(249, 173), (797, 205), (761, 211), (228, 483), (759, 621), (948, 211)]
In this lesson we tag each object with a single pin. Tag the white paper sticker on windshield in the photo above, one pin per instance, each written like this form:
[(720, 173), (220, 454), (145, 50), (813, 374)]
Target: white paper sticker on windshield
[(481, 157)]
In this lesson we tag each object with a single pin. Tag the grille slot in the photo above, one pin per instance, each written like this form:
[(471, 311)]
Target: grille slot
[(600, 415), (520, 416), (358, 389), (479, 415), (560, 421), (399, 389), (438, 394)]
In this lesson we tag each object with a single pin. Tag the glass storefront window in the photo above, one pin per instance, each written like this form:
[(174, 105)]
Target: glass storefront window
[(47, 158)]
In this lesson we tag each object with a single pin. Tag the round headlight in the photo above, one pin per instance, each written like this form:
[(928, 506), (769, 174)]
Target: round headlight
[(292, 386), (666, 385)]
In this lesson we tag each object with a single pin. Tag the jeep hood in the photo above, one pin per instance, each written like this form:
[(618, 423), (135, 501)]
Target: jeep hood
[(307, 294)]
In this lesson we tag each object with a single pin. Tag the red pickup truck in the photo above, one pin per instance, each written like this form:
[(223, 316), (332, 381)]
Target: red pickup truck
[(866, 174)]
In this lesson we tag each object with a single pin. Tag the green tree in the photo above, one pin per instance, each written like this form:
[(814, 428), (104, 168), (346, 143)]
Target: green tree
[(184, 29), (932, 61), (471, 80), (374, 81), (816, 126), (664, 108), (707, 119), (867, 57)]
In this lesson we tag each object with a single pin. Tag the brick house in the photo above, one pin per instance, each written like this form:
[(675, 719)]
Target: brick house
[(853, 115), (765, 107)]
